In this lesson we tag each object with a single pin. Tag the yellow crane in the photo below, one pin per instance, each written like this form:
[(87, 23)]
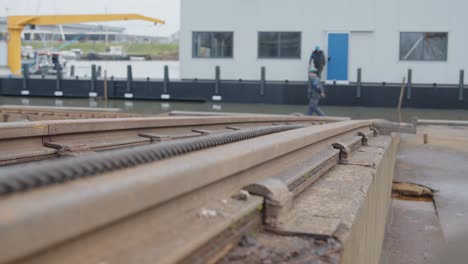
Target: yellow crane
[(16, 24)]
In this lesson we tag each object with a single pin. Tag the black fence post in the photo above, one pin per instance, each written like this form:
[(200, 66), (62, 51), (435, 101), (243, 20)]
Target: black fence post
[(129, 78), (359, 83), (25, 77), (58, 83), (111, 88), (58, 80), (99, 71), (263, 81), (409, 84), (217, 79), (72, 71), (93, 78), (461, 85), (166, 80)]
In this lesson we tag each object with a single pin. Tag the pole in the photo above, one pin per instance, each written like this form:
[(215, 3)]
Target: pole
[(410, 82), (72, 71), (166, 79), (25, 77), (359, 83), (263, 81), (129, 78), (217, 79), (93, 77), (58, 85), (400, 100), (105, 88), (461, 85)]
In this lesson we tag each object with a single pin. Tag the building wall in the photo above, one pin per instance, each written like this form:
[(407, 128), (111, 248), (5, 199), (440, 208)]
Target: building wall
[(374, 27)]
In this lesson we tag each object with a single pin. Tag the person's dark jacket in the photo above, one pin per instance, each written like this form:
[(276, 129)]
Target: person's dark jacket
[(316, 89), (318, 58)]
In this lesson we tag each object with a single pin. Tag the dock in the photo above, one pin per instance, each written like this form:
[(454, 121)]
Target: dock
[(218, 90), (193, 188)]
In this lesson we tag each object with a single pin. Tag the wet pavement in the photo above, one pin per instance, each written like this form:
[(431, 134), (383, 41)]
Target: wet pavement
[(413, 233), (426, 232)]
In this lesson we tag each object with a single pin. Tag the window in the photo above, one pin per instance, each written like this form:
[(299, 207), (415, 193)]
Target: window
[(279, 45), (212, 44), (423, 46)]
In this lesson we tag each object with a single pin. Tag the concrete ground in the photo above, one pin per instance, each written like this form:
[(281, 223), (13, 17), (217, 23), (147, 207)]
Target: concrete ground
[(426, 231)]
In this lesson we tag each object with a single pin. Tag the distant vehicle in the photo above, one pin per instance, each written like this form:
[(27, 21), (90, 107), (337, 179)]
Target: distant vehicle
[(73, 54), (137, 58), (48, 63), (69, 55), (78, 52)]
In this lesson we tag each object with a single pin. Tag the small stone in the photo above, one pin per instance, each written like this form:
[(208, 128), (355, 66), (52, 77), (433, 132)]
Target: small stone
[(247, 241), (244, 195), (208, 213)]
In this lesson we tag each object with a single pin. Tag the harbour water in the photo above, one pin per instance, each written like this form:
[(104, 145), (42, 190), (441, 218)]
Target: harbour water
[(159, 107)]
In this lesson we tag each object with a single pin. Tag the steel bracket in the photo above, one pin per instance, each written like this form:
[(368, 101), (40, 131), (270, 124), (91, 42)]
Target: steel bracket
[(69, 150), (347, 146), (165, 137), (365, 136), (278, 200)]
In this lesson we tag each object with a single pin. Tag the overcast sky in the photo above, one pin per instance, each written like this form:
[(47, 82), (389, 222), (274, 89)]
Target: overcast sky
[(167, 10)]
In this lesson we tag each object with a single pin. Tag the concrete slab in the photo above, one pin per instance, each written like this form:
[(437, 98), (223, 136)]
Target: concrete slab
[(413, 234), (443, 168)]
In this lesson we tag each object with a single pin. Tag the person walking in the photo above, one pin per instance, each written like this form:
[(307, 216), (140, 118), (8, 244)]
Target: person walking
[(318, 59), (316, 92)]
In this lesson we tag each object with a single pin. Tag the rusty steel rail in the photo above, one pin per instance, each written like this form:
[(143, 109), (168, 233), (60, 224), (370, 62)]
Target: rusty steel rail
[(434, 122), (168, 191), (25, 178), (201, 113), (30, 141), (14, 113)]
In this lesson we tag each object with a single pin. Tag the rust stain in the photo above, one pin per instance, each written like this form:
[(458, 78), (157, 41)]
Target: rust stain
[(412, 189), (39, 126), (411, 198)]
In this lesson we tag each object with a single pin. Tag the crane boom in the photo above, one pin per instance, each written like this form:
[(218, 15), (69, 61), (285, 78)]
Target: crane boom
[(16, 24)]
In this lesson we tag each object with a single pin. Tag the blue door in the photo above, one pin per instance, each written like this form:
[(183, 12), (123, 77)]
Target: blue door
[(338, 53)]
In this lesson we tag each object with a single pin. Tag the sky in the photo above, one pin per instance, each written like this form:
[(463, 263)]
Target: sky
[(167, 10)]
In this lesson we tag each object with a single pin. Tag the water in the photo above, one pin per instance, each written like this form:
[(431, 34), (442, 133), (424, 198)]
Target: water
[(140, 69), (158, 107)]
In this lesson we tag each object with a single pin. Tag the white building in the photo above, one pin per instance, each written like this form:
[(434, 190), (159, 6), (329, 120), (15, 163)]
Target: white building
[(383, 37)]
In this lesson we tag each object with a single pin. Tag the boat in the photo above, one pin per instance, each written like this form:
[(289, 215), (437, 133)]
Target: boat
[(49, 63)]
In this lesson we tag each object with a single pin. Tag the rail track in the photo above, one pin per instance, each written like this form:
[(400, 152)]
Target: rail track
[(22, 142), (14, 113), (160, 189)]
